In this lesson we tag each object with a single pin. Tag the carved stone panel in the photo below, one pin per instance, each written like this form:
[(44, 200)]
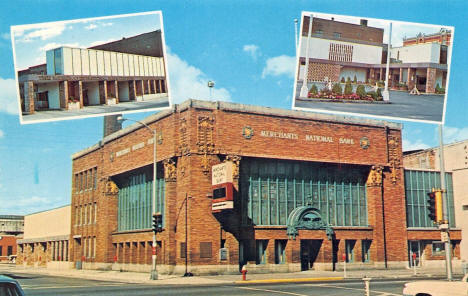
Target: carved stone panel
[(235, 159), (111, 187), (183, 137), (375, 176), (170, 170), (394, 157), (205, 134)]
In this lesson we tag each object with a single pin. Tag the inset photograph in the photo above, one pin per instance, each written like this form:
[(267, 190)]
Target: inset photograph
[(346, 60), (91, 67)]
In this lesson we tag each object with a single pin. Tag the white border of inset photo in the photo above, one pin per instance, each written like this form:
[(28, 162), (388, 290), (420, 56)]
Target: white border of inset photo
[(69, 88), (336, 57)]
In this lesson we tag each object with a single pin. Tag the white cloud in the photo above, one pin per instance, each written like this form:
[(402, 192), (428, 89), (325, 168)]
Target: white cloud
[(91, 26), (53, 45), (99, 42), (6, 36), (107, 24), (455, 134), (280, 65), (187, 81), (409, 145), (253, 50), (8, 98), (1, 134), (28, 205), (46, 31)]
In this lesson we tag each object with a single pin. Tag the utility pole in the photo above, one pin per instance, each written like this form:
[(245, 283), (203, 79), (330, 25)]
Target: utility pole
[(386, 93), (445, 228)]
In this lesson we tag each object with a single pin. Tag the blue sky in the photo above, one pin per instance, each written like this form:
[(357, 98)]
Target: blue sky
[(246, 47)]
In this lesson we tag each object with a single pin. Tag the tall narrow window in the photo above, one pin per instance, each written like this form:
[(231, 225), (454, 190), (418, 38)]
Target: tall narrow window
[(366, 250), (94, 247), (280, 251), (95, 178), (261, 246), (85, 220), (58, 61), (95, 212), (349, 245)]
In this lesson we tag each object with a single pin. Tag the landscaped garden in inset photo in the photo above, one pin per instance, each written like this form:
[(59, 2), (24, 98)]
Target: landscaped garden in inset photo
[(346, 91)]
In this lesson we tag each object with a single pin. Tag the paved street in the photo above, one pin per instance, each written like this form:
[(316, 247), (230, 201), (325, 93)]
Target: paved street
[(402, 105), (34, 284), (97, 110)]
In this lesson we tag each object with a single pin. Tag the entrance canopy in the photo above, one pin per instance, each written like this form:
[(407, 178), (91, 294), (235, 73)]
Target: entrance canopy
[(306, 217)]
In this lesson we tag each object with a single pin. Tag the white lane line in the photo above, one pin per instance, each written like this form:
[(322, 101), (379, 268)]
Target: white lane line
[(272, 291), (27, 287), (356, 289)]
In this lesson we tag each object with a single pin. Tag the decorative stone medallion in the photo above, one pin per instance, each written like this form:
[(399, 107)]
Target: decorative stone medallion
[(247, 132)]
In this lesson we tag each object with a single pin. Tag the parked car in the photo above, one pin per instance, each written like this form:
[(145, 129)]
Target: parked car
[(437, 288), (10, 287)]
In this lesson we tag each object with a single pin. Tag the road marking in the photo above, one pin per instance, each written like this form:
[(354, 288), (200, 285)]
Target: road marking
[(35, 287), (291, 280), (355, 289), (272, 291)]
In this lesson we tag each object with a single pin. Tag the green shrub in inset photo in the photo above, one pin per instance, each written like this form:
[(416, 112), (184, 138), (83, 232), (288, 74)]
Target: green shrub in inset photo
[(337, 88), (348, 89), (313, 90), (361, 91)]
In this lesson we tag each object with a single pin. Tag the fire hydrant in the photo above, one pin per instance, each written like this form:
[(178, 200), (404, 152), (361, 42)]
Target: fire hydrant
[(244, 273)]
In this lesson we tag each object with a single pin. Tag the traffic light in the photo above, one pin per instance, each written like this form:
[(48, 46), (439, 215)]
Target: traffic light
[(157, 222), (438, 207), (431, 205)]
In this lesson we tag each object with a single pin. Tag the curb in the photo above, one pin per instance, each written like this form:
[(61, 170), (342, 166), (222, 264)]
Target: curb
[(342, 101)]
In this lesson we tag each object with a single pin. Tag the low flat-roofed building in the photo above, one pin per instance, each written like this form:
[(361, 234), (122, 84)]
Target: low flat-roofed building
[(45, 240)]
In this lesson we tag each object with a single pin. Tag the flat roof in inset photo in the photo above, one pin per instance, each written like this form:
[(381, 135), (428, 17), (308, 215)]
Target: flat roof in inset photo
[(91, 67), (346, 58)]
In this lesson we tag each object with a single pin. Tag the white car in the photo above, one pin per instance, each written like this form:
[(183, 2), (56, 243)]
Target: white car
[(437, 288)]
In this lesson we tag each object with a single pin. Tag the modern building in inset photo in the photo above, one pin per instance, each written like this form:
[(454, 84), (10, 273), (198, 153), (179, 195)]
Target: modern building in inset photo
[(126, 74), (346, 50)]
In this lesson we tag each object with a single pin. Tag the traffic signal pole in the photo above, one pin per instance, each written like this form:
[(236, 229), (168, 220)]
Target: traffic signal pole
[(445, 226)]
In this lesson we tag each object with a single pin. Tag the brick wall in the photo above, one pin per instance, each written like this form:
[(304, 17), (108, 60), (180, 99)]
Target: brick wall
[(197, 138)]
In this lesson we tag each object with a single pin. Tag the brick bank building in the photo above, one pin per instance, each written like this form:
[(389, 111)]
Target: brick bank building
[(308, 188)]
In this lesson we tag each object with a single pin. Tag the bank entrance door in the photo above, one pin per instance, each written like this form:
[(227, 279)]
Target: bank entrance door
[(310, 249)]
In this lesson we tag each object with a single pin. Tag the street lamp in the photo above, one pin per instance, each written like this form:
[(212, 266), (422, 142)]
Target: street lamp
[(154, 273)]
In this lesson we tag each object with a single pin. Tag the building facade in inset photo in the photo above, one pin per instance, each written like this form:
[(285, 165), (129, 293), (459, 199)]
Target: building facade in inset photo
[(126, 70), (340, 51), (275, 190)]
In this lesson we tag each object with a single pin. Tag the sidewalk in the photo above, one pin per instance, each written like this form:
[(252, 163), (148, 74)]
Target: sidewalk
[(305, 276)]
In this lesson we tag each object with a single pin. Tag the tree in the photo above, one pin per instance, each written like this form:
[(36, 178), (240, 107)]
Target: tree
[(337, 88), (361, 91), (313, 90), (348, 89)]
